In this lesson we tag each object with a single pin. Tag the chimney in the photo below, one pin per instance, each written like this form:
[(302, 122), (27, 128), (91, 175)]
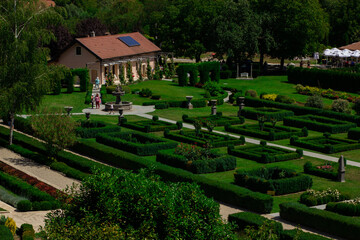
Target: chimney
[(92, 33)]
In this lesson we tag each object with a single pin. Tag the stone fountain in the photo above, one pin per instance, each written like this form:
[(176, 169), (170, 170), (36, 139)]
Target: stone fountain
[(118, 104)]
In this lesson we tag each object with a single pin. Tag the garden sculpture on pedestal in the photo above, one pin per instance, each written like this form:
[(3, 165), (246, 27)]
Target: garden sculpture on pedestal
[(189, 105), (213, 108), (341, 169)]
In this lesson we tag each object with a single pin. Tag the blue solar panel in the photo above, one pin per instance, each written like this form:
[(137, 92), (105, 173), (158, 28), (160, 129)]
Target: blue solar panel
[(129, 41)]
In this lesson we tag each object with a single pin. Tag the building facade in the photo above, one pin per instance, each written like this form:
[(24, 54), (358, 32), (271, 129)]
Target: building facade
[(105, 56)]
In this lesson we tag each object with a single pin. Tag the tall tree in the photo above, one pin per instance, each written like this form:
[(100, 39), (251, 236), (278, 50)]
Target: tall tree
[(299, 27), (23, 62), (236, 31), (86, 26)]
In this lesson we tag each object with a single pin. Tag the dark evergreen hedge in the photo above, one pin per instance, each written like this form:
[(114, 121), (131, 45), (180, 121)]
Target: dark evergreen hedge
[(268, 133), (224, 141), (5, 233), (218, 120), (197, 103), (245, 219), (292, 234), (311, 200), (225, 192), (310, 169), (217, 164), (150, 126), (182, 71), (274, 154), (343, 226), (83, 74), (268, 113), (146, 144), (354, 133), (90, 128), (344, 208), (320, 124), (337, 80), (316, 144), (269, 179), (209, 67), (299, 110)]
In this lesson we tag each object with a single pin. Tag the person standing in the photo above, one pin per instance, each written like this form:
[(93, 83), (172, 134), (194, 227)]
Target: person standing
[(111, 109), (92, 101), (97, 101)]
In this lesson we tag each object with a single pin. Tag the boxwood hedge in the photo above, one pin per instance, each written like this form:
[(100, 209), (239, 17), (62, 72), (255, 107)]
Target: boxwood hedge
[(269, 133), (225, 192), (329, 222), (219, 120), (150, 126), (90, 128), (135, 142), (264, 154), (268, 113), (219, 163), (300, 235), (299, 110), (354, 133), (245, 219), (279, 180), (344, 208), (320, 124)]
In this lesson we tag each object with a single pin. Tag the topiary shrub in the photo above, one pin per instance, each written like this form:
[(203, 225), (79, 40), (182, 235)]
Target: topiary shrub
[(356, 106), (156, 97), (145, 92), (161, 106), (251, 93), (179, 124), (284, 99), (24, 206), (315, 101), (5, 233), (155, 118), (341, 105)]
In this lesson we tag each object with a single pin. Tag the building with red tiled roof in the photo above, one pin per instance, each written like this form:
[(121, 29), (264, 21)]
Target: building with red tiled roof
[(48, 3), (106, 55), (353, 46)]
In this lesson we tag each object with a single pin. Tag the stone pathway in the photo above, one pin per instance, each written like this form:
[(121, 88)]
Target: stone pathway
[(41, 172)]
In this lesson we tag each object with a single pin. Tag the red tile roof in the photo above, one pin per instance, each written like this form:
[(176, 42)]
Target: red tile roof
[(110, 46), (353, 46), (49, 3)]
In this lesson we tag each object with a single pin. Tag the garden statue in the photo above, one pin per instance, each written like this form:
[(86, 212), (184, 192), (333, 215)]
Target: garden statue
[(97, 82), (341, 169), (189, 105), (213, 108), (241, 103)]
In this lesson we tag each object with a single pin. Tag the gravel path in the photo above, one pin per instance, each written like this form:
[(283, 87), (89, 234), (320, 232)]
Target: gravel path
[(41, 172)]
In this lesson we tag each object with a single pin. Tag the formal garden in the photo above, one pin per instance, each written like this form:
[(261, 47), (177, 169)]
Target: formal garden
[(259, 177)]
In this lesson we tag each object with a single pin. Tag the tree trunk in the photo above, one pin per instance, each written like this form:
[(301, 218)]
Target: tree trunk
[(282, 63), (11, 128), (261, 61)]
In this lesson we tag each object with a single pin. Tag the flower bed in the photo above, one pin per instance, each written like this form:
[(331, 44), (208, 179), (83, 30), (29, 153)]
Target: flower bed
[(312, 197), (218, 119), (268, 133), (139, 143), (204, 137), (273, 180), (325, 144), (265, 154), (326, 93), (268, 113), (196, 159), (328, 170), (320, 124), (149, 125), (347, 207)]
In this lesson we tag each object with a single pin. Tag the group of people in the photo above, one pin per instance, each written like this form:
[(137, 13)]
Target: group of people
[(302, 63), (96, 100)]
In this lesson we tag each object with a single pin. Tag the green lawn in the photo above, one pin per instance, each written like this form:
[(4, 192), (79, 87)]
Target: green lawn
[(75, 99), (268, 84), (168, 90)]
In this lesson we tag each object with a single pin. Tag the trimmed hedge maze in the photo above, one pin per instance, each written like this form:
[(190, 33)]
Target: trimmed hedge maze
[(265, 154), (138, 143), (320, 124), (90, 128), (268, 113), (299, 110), (326, 144), (348, 208), (274, 179), (331, 174), (215, 139), (354, 133), (268, 133), (326, 221), (217, 163), (150, 125), (218, 119)]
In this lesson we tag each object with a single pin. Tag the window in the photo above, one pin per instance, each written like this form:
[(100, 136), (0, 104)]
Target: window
[(78, 50)]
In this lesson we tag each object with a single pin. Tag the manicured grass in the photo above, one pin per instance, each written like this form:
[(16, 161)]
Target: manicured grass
[(349, 187), (75, 99), (268, 84), (168, 90)]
